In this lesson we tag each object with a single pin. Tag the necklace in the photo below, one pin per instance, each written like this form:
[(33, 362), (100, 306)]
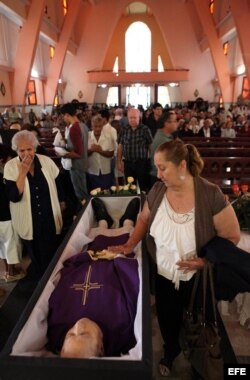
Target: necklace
[(178, 218)]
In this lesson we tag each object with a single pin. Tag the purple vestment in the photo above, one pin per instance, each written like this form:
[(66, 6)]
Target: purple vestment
[(105, 291)]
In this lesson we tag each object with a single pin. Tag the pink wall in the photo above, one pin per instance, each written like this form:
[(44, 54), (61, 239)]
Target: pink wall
[(183, 47), (98, 24), (182, 35), (6, 99)]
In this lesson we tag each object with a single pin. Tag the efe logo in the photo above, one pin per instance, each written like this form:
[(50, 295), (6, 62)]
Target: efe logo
[(237, 371)]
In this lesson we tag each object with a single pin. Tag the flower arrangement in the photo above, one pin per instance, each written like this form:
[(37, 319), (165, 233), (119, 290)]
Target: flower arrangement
[(241, 205), (128, 189)]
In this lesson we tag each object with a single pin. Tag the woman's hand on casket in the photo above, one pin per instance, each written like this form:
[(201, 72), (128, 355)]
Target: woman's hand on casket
[(124, 249), (191, 264)]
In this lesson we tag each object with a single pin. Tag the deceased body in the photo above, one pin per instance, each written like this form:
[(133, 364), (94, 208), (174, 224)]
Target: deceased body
[(103, 290), (75, 290)]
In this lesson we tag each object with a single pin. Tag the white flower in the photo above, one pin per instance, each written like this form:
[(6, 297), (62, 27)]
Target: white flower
[(95, 191), (133, 187), (130, 179), (120, 188), (113, 188), (125, 187)]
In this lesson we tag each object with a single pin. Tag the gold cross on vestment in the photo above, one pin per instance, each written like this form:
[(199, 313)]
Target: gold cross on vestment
[(86, 286)]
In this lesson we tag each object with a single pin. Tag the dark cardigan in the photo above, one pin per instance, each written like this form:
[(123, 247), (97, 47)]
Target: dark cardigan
[(231, 268)]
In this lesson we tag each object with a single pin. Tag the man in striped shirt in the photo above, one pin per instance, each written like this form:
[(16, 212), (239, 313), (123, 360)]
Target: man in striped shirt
[(133, 155)]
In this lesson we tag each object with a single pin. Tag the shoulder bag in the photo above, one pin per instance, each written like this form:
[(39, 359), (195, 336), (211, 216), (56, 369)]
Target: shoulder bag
[(199, 336)]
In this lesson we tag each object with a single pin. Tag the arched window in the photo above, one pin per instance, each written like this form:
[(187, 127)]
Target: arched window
[(138, 48), (113, 96), (138, 59)]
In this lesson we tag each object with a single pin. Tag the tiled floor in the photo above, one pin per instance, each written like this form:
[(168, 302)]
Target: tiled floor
[(181, 367), (238, 335)]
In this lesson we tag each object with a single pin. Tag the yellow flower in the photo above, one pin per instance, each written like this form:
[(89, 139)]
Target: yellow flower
[(130, 180)]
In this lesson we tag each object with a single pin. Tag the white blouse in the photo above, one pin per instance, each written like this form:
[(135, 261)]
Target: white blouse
[(174, 237)]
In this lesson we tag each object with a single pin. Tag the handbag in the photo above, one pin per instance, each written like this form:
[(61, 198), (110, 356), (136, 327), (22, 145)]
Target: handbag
[(199, 336)]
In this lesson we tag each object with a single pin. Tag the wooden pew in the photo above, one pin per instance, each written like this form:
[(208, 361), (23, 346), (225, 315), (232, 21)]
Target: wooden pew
[(224, 151), (225, 171), (47, 143), (217, 142), (215, 139), (46, 132)]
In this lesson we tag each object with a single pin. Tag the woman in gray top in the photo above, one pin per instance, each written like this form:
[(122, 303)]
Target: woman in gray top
[(183, 212)]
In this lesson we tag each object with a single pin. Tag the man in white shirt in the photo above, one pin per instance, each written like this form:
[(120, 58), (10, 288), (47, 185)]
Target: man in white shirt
[(101, 149), (108, 129)]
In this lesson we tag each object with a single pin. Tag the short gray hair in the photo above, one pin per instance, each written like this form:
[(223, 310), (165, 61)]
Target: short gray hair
[(24, 135)]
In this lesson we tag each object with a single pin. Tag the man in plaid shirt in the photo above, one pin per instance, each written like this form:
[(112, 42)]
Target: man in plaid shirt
[(133, 155)]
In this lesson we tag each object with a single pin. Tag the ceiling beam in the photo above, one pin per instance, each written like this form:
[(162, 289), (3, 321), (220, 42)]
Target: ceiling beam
[(123, 77)]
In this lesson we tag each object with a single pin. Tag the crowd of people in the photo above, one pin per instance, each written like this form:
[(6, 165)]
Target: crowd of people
[(104, 147)]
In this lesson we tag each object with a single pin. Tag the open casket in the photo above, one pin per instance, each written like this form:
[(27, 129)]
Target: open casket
[(25, 355)]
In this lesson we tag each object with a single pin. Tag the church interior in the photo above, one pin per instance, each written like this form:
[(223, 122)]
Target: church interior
[(191, 56)]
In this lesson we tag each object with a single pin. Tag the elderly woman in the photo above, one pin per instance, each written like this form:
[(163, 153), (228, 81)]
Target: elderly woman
[(182, 213), (36, 201)]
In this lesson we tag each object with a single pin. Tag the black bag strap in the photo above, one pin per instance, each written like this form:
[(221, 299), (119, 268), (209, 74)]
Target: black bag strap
[(208, 285), (194, 292), (213, 299), (204, 292), (207, 279)]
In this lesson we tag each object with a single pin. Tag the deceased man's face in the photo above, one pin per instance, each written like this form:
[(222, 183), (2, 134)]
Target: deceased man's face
[(83, 340)]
